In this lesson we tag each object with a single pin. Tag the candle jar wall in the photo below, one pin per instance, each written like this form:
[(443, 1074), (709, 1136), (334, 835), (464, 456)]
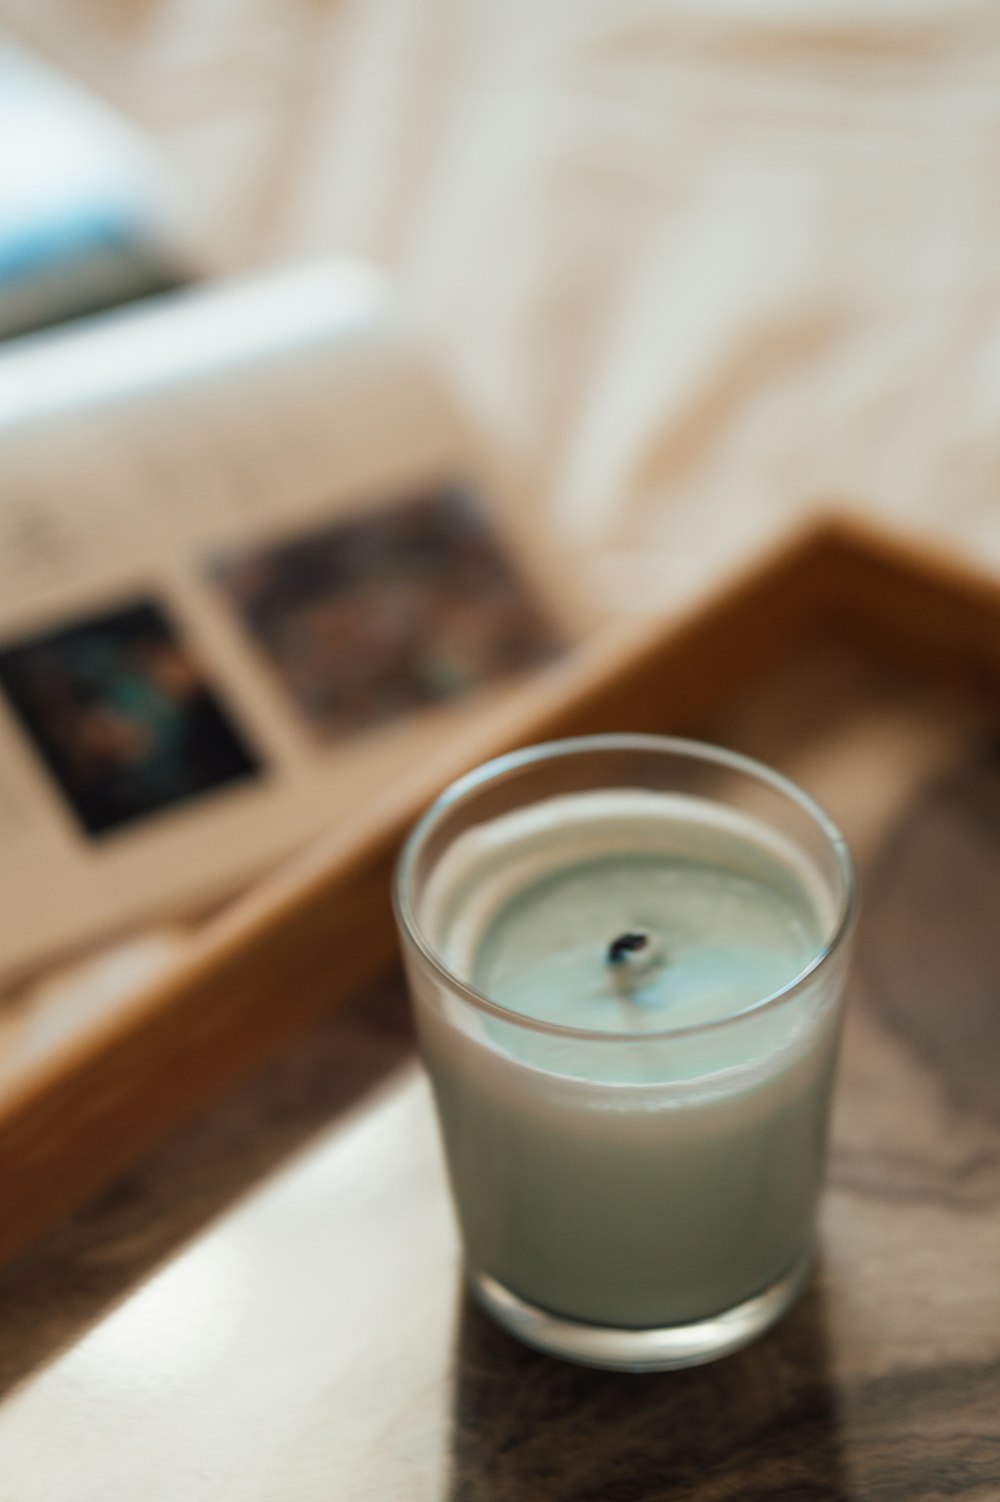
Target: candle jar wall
[(627, 959)]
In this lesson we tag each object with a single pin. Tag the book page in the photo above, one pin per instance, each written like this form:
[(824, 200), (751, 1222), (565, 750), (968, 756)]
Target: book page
[(252, 564)]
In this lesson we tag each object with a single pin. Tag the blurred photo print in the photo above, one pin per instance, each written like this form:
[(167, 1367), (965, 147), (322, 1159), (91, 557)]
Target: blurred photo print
[(120, 711), (367, 618)]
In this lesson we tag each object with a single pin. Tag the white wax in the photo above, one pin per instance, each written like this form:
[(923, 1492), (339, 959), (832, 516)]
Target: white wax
[(653, 1175)]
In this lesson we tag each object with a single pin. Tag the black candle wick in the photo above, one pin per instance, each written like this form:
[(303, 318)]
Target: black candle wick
[(631, 943)]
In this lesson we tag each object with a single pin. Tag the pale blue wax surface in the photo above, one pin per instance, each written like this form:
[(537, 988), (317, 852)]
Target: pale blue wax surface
[(721, 940)]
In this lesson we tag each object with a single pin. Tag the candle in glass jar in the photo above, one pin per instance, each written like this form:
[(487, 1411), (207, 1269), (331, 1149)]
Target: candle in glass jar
[(635, 1130)]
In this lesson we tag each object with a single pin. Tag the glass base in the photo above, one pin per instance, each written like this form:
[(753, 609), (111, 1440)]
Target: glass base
[(624, 1350)]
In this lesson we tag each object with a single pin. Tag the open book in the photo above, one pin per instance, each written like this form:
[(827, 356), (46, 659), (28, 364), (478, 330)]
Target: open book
[(252, 563)]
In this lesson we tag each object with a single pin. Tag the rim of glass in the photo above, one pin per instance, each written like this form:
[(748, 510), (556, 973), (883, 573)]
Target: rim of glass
[(509, 761)]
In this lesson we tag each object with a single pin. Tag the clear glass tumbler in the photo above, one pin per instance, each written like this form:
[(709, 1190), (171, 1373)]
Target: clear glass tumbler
[(641, 1196)]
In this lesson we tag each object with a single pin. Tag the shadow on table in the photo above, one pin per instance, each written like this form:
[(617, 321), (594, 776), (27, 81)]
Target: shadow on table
[(760, 1424)]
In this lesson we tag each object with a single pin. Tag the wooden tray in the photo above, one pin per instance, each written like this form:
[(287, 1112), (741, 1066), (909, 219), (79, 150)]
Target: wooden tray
[(321, 931)]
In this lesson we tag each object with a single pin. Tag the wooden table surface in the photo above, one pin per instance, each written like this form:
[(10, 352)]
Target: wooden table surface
[(270, 1307)]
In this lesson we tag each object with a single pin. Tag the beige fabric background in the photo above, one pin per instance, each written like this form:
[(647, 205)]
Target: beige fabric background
[(706, 262)]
